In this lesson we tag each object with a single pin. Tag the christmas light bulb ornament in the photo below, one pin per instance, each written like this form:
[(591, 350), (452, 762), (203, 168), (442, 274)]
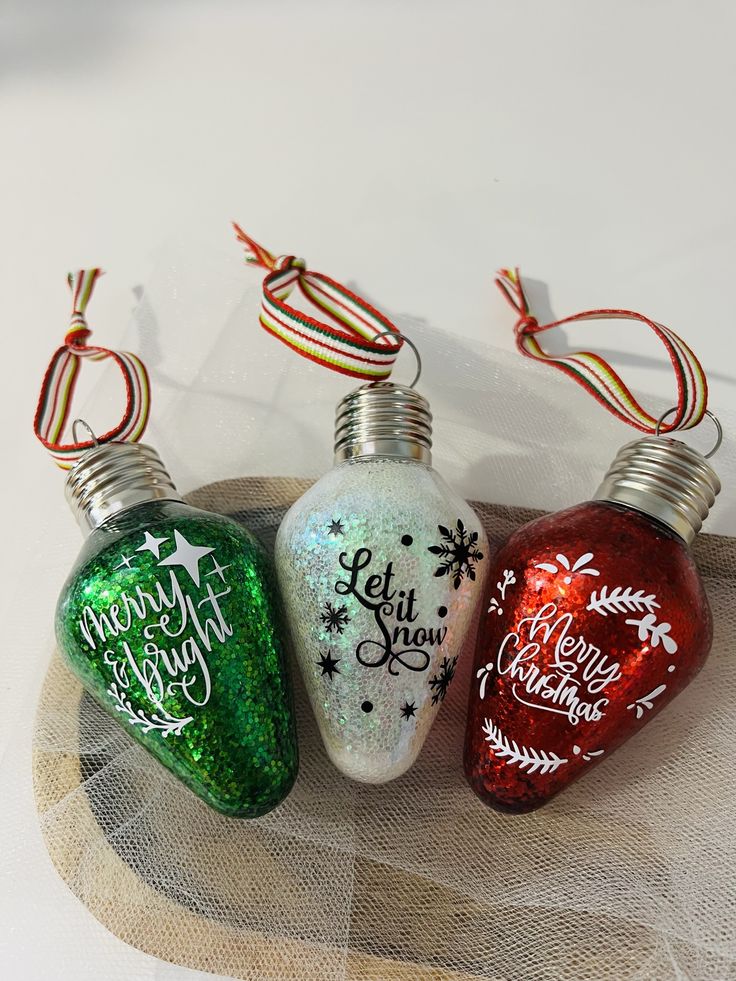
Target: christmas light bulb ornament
[(380, 564), (169, 616), (169, 619), (595, 617)]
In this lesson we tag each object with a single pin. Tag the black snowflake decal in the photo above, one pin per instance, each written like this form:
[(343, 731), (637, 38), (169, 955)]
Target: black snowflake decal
[(441, 681), (458, 552), (335, 618)]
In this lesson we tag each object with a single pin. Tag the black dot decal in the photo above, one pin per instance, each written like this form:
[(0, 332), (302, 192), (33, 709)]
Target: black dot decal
[(367, 706), (407, 540), (442, 611)]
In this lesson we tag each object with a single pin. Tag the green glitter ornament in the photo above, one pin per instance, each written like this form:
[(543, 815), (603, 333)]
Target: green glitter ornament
[(170, 619)]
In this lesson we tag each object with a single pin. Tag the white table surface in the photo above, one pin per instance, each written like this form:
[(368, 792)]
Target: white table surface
[(414, 146)]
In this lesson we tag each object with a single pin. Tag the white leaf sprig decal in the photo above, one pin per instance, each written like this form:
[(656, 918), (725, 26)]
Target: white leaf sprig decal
[(508, 579), (648, 628), (646, 701), (525, 757), (620, 600)]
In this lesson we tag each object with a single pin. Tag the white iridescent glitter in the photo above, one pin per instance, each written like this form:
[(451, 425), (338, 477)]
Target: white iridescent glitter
[(380, 565)]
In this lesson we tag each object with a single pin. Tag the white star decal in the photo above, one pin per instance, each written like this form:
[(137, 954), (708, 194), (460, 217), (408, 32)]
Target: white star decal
[(152, 544), (187, 555), (125, 562), (217, 569)]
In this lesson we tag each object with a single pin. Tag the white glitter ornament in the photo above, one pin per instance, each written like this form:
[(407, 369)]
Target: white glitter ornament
[(380, 566)]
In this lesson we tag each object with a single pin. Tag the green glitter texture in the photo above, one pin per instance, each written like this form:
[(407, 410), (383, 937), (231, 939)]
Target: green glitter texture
[(171, 620)]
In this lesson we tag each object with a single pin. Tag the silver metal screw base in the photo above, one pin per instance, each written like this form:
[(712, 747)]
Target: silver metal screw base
[(383, 419), (663, 478), (111, 477)]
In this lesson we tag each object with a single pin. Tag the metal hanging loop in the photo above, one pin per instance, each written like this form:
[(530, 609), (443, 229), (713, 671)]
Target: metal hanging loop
[(85, 425), (412, 345), (714, 419)]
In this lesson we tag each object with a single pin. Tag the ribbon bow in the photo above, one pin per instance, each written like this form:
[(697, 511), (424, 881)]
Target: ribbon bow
[(359, 340), (59, 382), (597, 376)]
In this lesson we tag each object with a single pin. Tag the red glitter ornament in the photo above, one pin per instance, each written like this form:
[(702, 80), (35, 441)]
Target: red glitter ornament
[(596, 618)]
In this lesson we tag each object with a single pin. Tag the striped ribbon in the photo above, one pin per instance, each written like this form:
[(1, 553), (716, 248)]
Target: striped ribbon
[(350, 344), (597, 376), (57, 388)]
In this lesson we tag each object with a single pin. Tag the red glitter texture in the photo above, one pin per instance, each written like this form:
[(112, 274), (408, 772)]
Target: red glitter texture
[(562, 650)]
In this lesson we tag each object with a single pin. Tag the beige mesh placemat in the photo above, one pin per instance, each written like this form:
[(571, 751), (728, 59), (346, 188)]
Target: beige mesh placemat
[(628, 875)]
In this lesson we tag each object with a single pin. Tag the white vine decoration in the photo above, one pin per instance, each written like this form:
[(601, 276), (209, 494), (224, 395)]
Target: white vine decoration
[(166, 726), (527, 758), (620, 600)]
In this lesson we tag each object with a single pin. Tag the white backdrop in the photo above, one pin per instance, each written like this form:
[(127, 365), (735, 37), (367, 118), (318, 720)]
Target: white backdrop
[(406, 148)]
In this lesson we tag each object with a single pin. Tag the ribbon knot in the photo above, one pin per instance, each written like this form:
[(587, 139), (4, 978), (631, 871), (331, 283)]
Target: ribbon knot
[(526, 325), (360, 341), (78, 330), (289, 262)]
